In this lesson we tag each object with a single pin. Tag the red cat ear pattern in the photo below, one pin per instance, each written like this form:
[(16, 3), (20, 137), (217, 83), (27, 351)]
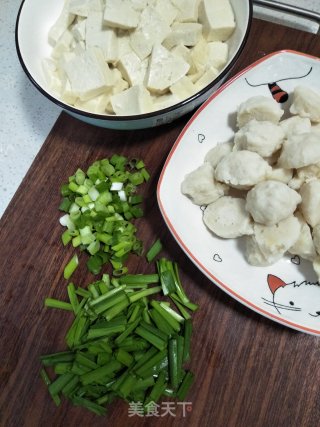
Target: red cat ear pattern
[(275, 283)]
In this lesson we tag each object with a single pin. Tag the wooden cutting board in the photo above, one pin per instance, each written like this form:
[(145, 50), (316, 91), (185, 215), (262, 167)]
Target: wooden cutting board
[(249, 370)]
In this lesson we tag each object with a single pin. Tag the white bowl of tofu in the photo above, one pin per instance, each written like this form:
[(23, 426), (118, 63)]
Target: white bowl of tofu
[(130, 64)]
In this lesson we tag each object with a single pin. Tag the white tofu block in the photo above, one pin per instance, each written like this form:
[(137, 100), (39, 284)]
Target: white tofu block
[(205, 55), (164, 101), (89, 74), (206, 78), (187, 34), (199, 56), (140, 43), (120, 86), (315, 128), (78, 30), (62, 45), (183, 52), (152, 29), (135, 100), (79, 7), (67, 94), (218, 54), (166, 10), (217, 18), (139, 5), (164, 69), (96, 105), (124, 46), (50, 74), (61, 25), (78, 47), (132, 68), (121, 14), (99, 35), (183, 88), (61, 62), (196, 76), (188, 10)]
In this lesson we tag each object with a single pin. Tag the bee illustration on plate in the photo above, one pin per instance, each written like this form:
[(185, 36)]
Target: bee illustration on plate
[(277, 93)]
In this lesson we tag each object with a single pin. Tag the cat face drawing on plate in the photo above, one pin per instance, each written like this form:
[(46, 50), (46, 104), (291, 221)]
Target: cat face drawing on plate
[(301, 299)]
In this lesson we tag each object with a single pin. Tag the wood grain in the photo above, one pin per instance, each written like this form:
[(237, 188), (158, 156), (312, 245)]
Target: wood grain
[(249, 371)]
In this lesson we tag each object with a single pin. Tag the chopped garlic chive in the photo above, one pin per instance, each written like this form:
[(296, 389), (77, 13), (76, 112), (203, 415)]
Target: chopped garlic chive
[(54, 303), (154, 250), (173, 313)]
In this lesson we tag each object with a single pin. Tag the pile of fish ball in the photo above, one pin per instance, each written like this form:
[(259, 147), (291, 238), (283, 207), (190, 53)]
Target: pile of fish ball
[(265, 183)]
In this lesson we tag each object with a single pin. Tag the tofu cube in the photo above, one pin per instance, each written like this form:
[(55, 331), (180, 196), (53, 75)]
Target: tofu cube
[(99, 35), (188, 10), (132, 68), (218, 54), (89, 74), (184, 53), (49, 70), (152, 29), (63, 45), (183, 88), (187, 34), (139, 5), (120, 84), (123, 39), (79, 7), (95, 105), (199, 55), (67, 94), (205, 55), (217, 18), (121, 14), (206, 78), (78, 30), (61, 25), (164, 101), (164, 69), (135, 100), (166, 10)]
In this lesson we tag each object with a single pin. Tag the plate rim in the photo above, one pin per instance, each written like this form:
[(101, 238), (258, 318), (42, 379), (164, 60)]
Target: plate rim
[(223, 286)]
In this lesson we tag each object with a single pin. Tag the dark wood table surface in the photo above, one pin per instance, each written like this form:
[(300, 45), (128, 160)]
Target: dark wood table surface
[(249, 370)]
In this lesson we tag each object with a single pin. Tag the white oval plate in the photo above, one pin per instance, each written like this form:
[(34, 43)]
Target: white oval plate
[(288, 291)]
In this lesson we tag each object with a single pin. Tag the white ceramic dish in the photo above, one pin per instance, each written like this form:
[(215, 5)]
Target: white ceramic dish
[(291, 282), (34, 19)]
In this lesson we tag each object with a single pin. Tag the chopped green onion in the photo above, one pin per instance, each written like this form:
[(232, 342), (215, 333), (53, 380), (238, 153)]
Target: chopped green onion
[(99, 205), (73, 297), (71, 267)]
